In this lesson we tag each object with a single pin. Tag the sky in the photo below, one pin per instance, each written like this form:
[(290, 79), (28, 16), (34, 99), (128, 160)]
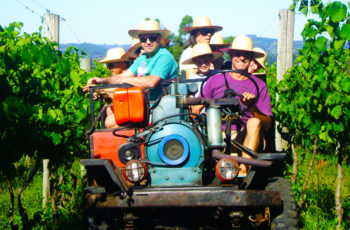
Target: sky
[(108, 21)]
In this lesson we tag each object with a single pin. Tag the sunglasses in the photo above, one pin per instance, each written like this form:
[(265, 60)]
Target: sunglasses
[(151, 38), (245, 54), (110, 65), (113, 65), (206, 31)]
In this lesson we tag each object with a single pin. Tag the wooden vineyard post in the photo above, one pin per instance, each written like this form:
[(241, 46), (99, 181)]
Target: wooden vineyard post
[(284, 57), (85, 64), (52, 33)]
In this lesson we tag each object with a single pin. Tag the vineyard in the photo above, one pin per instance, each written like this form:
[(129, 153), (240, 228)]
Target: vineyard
[(44, 114)]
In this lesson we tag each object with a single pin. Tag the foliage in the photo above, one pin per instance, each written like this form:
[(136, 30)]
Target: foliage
[(43, 112), (271, 81), (178, 41), (314, 95), (41, 96), (100, 70)]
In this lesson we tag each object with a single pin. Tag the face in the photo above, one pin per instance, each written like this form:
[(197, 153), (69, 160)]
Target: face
[(204, 35), (241, 60), (150, 43), (203, 63), (117, 67), (254, 67)]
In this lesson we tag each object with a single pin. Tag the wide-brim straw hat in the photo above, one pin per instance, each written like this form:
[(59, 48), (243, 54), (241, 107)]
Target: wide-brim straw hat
[(242, 43), (149, 27), (217, 40), (201, 49), (113, 55), (131, 51), (261, 60), (201, 22)]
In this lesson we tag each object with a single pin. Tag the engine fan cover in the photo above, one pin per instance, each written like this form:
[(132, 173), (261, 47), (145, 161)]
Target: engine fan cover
[(175, 152)]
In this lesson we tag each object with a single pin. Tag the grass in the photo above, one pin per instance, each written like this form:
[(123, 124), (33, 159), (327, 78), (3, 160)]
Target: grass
[(69, 211), (319, 211), (31, 199)]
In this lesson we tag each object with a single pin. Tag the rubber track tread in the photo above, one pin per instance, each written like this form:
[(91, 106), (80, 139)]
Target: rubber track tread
[(287, 216)]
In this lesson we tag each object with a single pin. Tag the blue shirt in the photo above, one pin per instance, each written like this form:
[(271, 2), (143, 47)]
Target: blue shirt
[(162, 64)]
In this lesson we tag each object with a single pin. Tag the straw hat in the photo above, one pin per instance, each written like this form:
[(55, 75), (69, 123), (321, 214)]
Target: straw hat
[(113, 55), (149, 27), (261, 60), (243, 43), (218, 41), (131, 51), (201, 49), (201, 22)]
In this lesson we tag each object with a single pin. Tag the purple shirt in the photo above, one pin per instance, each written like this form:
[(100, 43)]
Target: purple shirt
[(215, 87)]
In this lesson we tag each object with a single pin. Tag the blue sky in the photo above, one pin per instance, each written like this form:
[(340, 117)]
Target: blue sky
[(108, 21)]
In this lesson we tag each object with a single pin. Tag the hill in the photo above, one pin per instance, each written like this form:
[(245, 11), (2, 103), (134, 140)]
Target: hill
[(96, 52), (270, 46)]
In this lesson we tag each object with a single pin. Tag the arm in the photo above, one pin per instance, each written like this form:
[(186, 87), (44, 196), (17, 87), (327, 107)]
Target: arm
[(144, 82), (115, 79), (190, 72)]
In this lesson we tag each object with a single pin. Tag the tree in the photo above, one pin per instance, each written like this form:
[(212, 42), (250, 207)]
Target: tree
[(178, 41)]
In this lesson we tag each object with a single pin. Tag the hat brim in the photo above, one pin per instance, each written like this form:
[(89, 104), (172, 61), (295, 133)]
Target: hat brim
[(131, 52), (262, 65), (255, 54), (220, 45), (190, 29), (136, 33), (108, 60), (215, 54)]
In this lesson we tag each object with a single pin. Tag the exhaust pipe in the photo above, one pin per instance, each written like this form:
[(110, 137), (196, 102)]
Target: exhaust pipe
[(242, 160)]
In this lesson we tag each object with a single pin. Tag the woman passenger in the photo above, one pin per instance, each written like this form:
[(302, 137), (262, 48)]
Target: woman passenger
[(200, 32), (202, 58)]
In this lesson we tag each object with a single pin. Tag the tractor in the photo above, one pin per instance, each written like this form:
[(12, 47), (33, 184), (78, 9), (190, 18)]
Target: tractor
[(164, 167)]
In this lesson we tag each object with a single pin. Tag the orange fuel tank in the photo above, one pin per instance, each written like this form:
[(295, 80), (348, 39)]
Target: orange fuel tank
[(129, 106)]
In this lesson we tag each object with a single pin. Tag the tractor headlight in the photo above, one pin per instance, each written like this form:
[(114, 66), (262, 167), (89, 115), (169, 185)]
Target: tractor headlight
[(135, 171), (227, 169), (173, 150)]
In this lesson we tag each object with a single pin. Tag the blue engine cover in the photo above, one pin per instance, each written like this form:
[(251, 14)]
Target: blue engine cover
[(166, 107), (175, 153)]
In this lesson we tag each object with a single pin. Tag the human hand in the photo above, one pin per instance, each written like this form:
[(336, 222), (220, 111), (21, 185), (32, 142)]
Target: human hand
[(247, 99), (92, 81)]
